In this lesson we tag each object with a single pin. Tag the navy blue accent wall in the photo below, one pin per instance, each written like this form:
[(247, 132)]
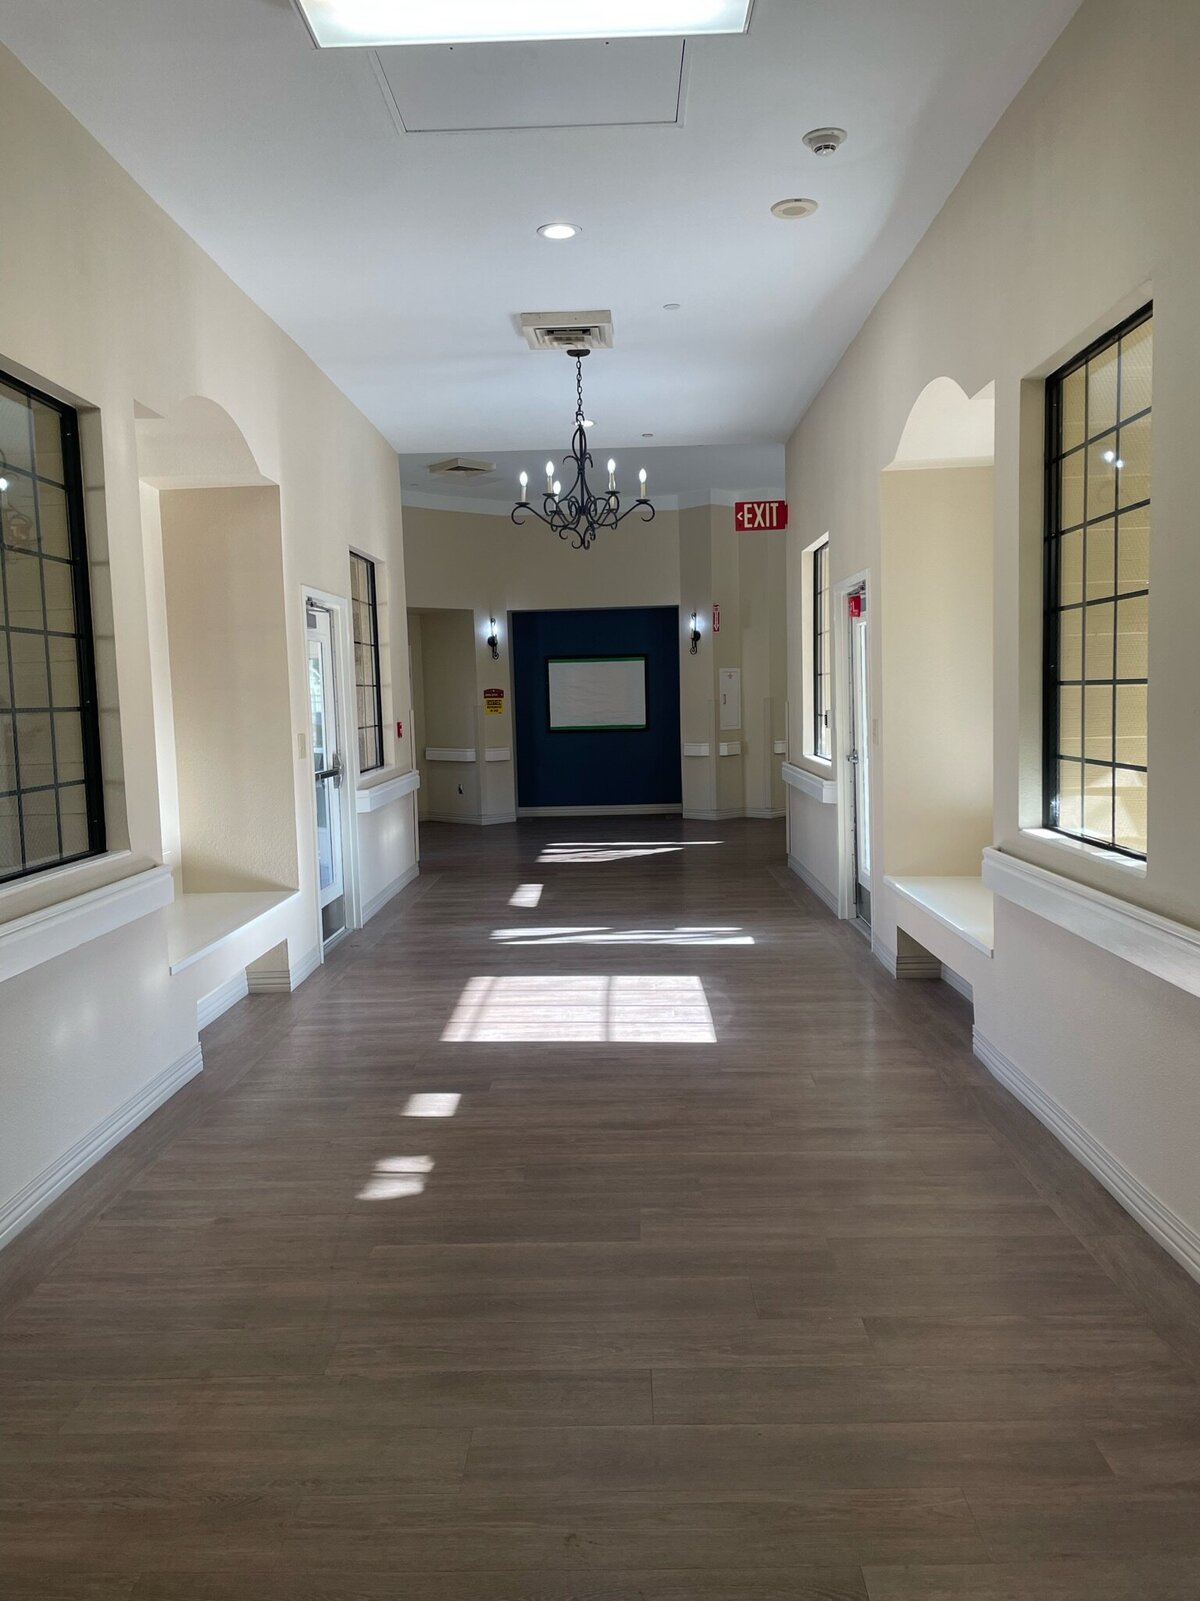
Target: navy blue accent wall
[(597, 767)]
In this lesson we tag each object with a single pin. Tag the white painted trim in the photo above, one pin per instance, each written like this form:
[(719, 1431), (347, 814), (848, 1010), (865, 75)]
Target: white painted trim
[(826, 896), (903, 967), (215, 1004), (446, 753), (607, 811), (931, 908), (779, 747), (498, 753), (697, 750), (762, 812), (1170, 1230), (1169, 950), (730, 747), (471, 819), (371, 797), (342, 634), (285, 979), (29, 1202), (713, 816), (813, 785), (266, 904), (40, 936), (1123, 866), (389, 893), (957, 982)]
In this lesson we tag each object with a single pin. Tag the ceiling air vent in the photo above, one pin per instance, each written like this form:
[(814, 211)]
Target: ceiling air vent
[(462, 467), (568, 330)]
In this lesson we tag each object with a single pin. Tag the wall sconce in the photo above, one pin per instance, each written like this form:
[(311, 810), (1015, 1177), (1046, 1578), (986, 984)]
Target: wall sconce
[(695, 636), (493, 641)]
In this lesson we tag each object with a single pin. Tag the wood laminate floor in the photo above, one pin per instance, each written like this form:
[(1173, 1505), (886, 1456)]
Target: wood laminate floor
[(644, 1244)]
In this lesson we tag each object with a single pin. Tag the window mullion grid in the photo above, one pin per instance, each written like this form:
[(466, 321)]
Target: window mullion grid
[(37, 519)]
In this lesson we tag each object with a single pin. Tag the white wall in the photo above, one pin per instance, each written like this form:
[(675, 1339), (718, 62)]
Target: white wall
[(110, 304), (1073, 214)]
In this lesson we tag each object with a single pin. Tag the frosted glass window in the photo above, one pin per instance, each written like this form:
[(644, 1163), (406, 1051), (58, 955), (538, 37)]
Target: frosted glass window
[(1098, 505)]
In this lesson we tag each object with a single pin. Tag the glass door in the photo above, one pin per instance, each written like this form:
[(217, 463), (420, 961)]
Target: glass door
[(328, 771), (859, 754)]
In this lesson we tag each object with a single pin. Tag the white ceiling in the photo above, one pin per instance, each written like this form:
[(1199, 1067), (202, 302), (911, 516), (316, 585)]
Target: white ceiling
[(400, 260)]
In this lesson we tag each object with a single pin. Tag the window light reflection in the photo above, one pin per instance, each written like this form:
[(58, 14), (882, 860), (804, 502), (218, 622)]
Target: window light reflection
[(616, 850), (622, 936), (396, 1177), (619, 1008), (432, 1104)]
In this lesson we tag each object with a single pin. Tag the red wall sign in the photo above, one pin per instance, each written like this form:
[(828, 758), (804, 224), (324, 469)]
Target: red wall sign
[(749, 515)]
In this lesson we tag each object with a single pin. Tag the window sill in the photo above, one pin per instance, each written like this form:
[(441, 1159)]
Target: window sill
[(1080, 850), (39, 936), (1158, 945), (812, 784), (384, 789)]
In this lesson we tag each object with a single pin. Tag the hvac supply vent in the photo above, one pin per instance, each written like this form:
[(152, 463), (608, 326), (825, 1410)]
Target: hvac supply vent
[(462, 467), (568, 330)]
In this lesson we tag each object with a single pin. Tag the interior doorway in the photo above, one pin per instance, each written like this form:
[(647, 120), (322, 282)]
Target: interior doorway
[(332, 775)]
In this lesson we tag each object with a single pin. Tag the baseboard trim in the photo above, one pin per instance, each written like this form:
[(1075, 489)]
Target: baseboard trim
[(1170, 1230), (766, 813), (471, 820), (665, 810), (378, 902), (287, 979), (904, 966), (825, 896), (957, 982), (215, 1004), (31, 1201)]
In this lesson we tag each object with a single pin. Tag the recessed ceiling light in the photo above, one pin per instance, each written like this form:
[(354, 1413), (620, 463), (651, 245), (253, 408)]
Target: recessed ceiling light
[(793, 210), (559, 230), (398, 22), (825, 141)]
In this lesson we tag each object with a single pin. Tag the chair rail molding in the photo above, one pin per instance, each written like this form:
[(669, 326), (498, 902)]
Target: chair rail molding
[(810, 784), (448, 753), (370, 797), (1158, 945)]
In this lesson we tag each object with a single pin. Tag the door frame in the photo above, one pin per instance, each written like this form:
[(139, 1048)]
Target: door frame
[(839, 592), (338, 607)]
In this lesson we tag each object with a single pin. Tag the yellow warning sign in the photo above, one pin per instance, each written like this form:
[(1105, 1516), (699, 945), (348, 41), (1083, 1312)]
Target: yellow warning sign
[(493, 702)]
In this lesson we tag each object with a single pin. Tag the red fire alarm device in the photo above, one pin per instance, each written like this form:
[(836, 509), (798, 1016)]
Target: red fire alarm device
[(856, 607), (399, 730), (768, 515)]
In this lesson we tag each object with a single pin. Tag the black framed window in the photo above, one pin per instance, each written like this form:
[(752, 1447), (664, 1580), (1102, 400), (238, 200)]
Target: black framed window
[(366, 662), (51, 795), (821, 655), (1097, 586)]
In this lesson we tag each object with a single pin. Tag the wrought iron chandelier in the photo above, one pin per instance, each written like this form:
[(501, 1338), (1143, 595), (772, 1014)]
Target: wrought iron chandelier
[(580, 514)]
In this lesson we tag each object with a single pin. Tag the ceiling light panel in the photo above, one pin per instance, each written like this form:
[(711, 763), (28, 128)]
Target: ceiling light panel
[(377, 23)]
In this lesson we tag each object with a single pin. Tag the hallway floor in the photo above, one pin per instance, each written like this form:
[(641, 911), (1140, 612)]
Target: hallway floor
[(646, 1243)]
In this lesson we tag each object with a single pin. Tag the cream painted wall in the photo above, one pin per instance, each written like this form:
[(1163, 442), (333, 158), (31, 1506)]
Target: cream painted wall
[(686, 559), (227, 639), (935, 605), (1073, 214), (446, 641), (109, 303)]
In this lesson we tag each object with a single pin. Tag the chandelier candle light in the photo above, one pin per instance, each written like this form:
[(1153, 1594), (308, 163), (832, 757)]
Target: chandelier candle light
[(580, 514)]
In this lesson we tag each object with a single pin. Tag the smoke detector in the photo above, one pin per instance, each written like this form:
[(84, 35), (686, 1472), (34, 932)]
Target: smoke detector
[(462, 467), (825, 141), (567, 330), (793, 210)]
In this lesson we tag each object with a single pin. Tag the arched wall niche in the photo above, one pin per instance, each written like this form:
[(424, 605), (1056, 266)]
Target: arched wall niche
[(937, 538), (213, 543)]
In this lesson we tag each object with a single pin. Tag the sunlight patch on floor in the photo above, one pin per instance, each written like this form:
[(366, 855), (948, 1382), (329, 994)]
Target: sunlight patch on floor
[(615, 850), (396, 1177), (526, 895), (619, 1008), (432, 1103), (602, 935)]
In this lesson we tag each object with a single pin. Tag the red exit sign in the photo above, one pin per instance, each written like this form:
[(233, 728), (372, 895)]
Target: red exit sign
[(750, 515)]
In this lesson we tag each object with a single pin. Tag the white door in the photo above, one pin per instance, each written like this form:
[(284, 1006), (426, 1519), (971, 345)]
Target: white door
[(859, 753), (328, 771)]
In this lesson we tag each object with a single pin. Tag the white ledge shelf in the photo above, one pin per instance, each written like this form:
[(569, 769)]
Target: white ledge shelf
[(26, 942), (383, 791), (963, 905), (197, 925), (730, 747), (1158, 945), (810, 784), (498, 753), (697, 750), (450, 753)]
